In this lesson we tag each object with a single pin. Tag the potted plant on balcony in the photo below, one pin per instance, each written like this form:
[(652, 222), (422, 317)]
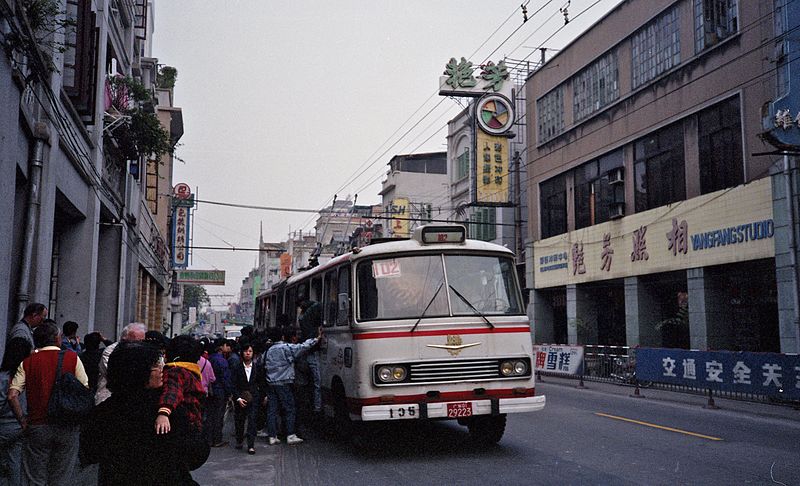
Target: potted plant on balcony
[(130, 121)]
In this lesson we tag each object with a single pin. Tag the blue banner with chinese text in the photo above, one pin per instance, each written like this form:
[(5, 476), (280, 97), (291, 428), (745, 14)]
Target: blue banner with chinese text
[(770, 374)]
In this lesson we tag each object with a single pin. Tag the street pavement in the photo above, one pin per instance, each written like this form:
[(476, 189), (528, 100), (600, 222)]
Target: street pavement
[(227, 465), (596, 435)]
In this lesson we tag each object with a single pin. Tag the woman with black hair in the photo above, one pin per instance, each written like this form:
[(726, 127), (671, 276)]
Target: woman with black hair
[(17, 349), (120, 435), (247, 396)]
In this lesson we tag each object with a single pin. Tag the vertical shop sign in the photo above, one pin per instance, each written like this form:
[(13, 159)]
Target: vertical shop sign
[(492, 176), (180, 237)]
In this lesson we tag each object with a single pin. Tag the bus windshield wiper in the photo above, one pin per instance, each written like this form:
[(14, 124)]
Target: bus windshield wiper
[(427, 306), (470, 305)]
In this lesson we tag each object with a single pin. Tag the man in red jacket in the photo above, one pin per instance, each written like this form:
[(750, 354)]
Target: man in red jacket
[(50, 451)]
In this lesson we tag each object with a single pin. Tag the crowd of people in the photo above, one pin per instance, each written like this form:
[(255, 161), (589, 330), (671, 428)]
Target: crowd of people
[(160, 403)]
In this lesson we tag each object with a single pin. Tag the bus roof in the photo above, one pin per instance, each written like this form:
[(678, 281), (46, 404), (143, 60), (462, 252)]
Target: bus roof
[(390, 248)]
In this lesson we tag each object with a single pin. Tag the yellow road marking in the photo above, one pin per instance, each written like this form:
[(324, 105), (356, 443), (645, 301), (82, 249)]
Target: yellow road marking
[(647, 424)]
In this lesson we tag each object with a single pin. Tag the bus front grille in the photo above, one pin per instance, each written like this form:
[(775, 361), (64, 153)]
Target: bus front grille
[(438, 371)]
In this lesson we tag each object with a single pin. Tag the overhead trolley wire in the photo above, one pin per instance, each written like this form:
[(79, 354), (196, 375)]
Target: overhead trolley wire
[(352, 178)]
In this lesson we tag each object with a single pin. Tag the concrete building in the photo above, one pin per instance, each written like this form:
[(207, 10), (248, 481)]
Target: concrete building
[(415, 188), (260, 278), (332, 230), (659, 214), (75, 229)]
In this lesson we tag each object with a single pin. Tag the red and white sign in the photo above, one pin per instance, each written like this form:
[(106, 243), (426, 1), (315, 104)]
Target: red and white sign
[(459, 409), (182, 190)]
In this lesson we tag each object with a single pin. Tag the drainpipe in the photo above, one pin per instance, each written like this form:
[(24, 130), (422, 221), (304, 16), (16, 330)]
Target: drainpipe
[(41, 133), (793, 250)]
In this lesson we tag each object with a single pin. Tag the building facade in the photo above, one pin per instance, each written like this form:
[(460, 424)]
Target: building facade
[(77, 233), (659, 215), (415, 188)]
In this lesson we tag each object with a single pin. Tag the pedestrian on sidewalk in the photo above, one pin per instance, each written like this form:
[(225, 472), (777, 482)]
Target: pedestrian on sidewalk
[(280, 378), (119, 433), (218, 394), (17, 349), (34, 315), (247, 397), (91, 355), (50, 450), (70, 339), (134, 331)]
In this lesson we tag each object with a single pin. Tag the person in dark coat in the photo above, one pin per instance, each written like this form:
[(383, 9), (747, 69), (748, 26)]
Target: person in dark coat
[(247, 396), (119, 434), (91, 356), (218, 394)]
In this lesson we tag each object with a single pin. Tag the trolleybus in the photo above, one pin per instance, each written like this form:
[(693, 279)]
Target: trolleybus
[(432, 327)]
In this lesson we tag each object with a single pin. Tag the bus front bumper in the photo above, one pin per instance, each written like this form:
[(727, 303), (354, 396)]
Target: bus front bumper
[(452, 410)]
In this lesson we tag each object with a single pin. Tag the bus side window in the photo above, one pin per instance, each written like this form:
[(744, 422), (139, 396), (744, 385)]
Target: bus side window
[(290, 306), (343, 301), (316, 289), (329, 303)]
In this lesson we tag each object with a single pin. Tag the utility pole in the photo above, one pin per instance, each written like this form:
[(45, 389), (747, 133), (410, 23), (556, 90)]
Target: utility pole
[(517, 205)]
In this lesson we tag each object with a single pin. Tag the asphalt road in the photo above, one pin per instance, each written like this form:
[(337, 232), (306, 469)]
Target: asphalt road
[(597, 435)]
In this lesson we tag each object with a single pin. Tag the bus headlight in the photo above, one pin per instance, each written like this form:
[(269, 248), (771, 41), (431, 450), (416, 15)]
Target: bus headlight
[(391, 374), (514, 368), (399, 373)]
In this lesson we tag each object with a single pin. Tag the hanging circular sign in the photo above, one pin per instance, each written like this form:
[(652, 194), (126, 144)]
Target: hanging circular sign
[(182, 190), (495, 114)]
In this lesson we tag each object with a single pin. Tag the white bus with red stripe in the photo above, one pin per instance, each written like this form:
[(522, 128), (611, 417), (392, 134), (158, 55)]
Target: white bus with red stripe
[(433, 327)]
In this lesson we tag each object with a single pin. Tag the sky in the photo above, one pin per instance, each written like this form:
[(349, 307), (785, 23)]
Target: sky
[(287, 103)]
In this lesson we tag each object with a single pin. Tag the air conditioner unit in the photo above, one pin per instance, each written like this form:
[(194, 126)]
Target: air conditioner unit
[(616, 176), (616, 210)]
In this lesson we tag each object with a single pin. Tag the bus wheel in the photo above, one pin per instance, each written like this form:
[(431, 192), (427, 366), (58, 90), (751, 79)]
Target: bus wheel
[(341, 415), (487, 429)]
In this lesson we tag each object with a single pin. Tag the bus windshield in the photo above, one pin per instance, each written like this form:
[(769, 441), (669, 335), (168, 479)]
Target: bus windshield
[(414, 286)]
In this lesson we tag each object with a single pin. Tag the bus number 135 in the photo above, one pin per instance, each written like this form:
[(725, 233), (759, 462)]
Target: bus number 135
[(403, 412)]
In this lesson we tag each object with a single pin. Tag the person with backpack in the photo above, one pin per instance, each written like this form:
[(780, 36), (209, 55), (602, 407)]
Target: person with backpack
[(50, 449)]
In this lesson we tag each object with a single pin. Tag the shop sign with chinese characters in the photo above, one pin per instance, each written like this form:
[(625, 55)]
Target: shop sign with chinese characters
[(722, 227), (460, 79), (201, 277), (566, 360), (492, 175), (180, 236), (770, 374)]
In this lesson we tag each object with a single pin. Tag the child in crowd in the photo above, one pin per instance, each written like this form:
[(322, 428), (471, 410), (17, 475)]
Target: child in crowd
[(182, 384), (280, 358)]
